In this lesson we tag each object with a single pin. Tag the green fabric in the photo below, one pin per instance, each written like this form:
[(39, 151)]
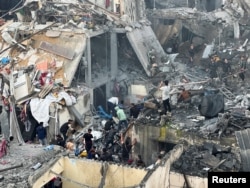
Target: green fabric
[(121, 114)]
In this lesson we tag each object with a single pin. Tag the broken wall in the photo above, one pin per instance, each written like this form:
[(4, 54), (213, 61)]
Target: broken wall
[(177, 180), (147, 138), (78, 173), (160, 178)]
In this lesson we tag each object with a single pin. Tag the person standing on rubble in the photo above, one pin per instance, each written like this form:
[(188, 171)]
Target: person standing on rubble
[(41, 134), (213, 68), (88, 140), (227, 70), (191, 54), (165, 88), (243, 67)]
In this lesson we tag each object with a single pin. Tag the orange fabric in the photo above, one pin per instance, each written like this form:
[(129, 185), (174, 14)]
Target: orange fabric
[(42, 65), (185, 95)]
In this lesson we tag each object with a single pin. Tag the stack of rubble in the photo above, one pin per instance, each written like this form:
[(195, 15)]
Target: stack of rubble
[(198, 160)]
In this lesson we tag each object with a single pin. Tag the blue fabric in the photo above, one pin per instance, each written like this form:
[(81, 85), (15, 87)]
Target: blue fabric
[(5, 60), (41, 132)]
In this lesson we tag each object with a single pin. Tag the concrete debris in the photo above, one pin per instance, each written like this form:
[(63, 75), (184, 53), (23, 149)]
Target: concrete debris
[(198, 160), (62, 61)]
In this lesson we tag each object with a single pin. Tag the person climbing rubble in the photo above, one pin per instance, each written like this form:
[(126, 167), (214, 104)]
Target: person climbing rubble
[(126, 147), (122, 118), (64, 129), (112, 103), (110, 137)]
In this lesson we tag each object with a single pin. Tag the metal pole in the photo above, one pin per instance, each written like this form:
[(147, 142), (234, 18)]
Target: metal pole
[(12, 167)]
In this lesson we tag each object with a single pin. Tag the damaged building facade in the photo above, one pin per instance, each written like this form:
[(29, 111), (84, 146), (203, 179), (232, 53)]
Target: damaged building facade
[(62, 60)]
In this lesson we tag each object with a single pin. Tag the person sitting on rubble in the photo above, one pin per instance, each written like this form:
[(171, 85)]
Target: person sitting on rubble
[(106, 156), (184, 96), (59, 141), (70, 146), (93, 154)]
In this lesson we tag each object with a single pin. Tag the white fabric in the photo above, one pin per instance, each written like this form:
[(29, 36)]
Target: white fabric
[(64, 95), (40, 107), (6, 88), (114, 100), (165, 92)]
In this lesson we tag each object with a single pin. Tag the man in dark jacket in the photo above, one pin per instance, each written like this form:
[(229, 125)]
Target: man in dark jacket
[(110, 136), (88, 140), (64, 129)]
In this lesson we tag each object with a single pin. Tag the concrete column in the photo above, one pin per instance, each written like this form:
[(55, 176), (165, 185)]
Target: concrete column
[(236, 30), (88, 75), (113, 55)]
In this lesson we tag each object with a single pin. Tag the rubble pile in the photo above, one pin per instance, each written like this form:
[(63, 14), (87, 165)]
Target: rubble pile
[(21, 161), (225, 125), (198, 160)]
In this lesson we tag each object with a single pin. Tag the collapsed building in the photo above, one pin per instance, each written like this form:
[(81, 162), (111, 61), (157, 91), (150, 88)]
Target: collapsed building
[(63, 60)]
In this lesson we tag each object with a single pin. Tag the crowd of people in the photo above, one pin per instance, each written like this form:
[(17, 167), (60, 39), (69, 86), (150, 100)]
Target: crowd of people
[(113, 141)]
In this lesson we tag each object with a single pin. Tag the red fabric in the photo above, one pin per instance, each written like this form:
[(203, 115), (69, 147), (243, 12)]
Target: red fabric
[(107, 3), (42, 78), (3, 148)]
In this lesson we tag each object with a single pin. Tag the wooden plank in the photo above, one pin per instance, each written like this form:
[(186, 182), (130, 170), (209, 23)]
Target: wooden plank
[(58, 50)]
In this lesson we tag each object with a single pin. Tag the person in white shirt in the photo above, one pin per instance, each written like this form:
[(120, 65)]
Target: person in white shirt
[(165, 88), (112, 103)]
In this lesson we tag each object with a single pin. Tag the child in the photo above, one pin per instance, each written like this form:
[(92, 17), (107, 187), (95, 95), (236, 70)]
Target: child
[(42, 134)]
